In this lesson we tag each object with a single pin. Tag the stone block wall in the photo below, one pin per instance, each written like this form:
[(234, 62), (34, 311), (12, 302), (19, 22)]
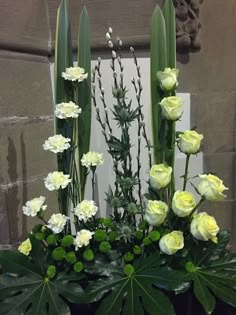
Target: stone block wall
[(27, 32)]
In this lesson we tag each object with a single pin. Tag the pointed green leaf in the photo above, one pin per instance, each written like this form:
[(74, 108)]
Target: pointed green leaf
[(138, 292), (24, 287), (63, 89), (169, 16), (158, 63), (84, 94), (217, 279)]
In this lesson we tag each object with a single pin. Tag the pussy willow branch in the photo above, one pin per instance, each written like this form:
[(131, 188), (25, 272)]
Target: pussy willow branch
[(93, 96), (138, 93), (102, 96)]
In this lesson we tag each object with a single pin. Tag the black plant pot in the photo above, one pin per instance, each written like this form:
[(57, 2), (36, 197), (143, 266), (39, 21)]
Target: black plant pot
[(184, 304)]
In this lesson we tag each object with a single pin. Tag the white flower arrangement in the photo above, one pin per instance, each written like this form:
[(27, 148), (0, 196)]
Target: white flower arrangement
[(92, 159), (32, 207), (56, 180), (85, 210), (75, 74), (57, 222), (67, 110), (57, 144), (83, 238)]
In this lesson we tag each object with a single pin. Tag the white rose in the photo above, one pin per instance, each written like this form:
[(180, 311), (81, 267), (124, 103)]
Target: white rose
[(160, 175), (56, 180), (172, 107), (57, 222), (57, 144), (83, 238), (168, 79), (172, 242), (189, 142), (211, 187), (86, 210), (67, 110), (92, 159), (204, 227), (75, 74), (183, 203), (32, 207), (156, 212)]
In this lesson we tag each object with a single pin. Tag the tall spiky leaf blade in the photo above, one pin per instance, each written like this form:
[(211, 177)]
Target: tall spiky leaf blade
[(158, 63), (63, 91), (84, 95), (169, 16)]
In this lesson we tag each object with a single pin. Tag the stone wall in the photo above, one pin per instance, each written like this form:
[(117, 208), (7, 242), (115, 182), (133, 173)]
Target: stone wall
[(26, 103)]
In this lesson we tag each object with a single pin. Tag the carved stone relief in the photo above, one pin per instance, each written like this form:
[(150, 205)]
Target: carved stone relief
[(187, 25)]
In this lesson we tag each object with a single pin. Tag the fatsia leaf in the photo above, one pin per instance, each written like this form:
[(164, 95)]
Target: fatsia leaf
[(27, 291), (137, 293), (217, 279)]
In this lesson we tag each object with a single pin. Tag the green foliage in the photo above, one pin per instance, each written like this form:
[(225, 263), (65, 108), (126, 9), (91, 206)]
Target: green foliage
[(71, 257), (128, 257), (154, 236), (78, 266), (58, 253), (26, 287), (216, 279), (88, 254), (63, 93), (51, 271), (137, 250), (84, 95), (158, 63), (51, 239), (170, 25), (136, 291), (67, 241), (104, 247), (100, 235)]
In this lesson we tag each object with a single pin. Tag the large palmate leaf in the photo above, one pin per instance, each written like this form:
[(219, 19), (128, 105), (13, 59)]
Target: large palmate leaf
[(158, 62), (63, 91), (216, 279), (26, 290), (137, 293), (84, 94)]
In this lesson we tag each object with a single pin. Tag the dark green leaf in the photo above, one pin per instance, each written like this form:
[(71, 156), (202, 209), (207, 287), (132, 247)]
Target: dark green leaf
[(63, 89), (84, 95), (158, 63), (217, 279), (29, 292), (137, 293)]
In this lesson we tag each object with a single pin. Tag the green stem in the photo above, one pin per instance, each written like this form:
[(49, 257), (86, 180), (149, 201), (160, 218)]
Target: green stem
[(186, 171), (197, 206), (93, 183)]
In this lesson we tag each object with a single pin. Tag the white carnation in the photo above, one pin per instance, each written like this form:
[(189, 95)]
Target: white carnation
[(57, 222), (67, 110), (92, 159), (57, 144), (75, 74), (56, 180), (83, 238), (86, 210), (32, 207)]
